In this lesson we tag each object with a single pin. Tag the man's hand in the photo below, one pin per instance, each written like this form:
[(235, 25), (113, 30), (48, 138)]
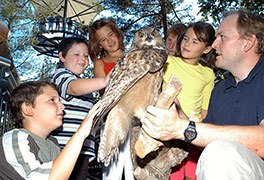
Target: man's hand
[(163, 124)]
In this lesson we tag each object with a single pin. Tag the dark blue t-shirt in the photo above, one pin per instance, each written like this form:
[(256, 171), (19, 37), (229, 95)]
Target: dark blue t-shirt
[(241, 103)]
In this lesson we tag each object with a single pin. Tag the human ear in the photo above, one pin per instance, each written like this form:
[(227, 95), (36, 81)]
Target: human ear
[(27, 109), (250, 43), (61, 57), (207, 49)]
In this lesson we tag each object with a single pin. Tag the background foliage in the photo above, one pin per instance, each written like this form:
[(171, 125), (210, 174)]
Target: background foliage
[(128, 14)]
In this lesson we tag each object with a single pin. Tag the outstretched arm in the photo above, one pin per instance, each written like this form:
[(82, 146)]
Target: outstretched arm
[(166, 125), (79, 87), (65, 162)]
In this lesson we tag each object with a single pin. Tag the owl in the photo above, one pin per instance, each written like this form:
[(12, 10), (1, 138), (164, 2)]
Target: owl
[(135, 83)]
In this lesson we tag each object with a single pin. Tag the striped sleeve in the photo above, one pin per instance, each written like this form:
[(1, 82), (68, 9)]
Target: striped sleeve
[(62, 79), (22, 157), (76, 108)]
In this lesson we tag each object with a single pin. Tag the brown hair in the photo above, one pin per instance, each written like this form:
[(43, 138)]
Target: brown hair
[(204, 33), (94, 48), (176, 29), (26, 93), (248, 24)]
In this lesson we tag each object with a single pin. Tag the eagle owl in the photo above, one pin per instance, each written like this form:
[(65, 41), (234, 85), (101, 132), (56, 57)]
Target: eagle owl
[(135, 83)]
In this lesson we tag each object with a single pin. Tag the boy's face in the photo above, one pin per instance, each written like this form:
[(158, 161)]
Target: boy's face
[(48, 110), (76, 59), (171, 44)]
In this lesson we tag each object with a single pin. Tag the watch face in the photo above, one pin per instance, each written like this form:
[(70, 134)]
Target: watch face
[(190, 134)]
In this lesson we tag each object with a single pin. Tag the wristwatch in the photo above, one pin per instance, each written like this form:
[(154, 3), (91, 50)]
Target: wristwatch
[(190, 132)]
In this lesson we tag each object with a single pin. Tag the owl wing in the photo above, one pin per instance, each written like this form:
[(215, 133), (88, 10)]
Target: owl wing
[(127, 71)]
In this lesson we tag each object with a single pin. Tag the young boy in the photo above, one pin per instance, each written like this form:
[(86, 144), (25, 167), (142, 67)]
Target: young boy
[(75, 93), (30, 152)]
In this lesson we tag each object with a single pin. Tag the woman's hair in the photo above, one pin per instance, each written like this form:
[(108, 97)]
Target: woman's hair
[(26, 93), (94, 47), (249, 23), (204, 33)]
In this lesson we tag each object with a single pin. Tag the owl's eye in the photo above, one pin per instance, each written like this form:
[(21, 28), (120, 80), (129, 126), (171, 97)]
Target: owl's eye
[(141, 35), (154, 33)]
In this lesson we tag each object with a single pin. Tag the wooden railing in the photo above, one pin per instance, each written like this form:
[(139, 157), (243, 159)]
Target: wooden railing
[(7, 84)]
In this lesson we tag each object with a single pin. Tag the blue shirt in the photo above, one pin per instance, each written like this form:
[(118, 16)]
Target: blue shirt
[(239, 103)]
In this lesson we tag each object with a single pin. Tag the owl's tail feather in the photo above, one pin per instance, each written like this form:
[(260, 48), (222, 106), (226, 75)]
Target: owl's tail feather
[(115, 132)]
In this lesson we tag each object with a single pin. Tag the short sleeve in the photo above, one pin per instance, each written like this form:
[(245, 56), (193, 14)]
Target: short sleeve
[(21, 157), (62, 79), (208, 91)]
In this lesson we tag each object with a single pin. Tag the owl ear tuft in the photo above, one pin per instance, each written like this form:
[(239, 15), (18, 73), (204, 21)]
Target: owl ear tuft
[(134, 31)]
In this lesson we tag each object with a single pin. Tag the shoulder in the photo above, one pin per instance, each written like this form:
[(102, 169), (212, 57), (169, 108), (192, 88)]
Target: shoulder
[(99, 61), (172, 58), (14, 134), (206, 71), (99, 68), (12, 138), (173, 62), (220, 87), (53, 139), (62, 73)]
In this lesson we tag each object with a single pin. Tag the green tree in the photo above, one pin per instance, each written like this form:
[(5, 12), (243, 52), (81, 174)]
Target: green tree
[(21, 18), (215, 9), (132, 15)]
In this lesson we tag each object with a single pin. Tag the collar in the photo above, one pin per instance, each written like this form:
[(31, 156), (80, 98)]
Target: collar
[(230, 81)]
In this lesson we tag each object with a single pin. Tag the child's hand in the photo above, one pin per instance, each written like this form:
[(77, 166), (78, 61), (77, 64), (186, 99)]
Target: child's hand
[(85, 128)]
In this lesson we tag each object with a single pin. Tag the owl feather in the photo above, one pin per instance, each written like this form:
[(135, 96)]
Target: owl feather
[(134, 84)]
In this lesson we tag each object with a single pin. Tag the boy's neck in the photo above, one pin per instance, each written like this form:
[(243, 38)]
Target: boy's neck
[(38, 131)]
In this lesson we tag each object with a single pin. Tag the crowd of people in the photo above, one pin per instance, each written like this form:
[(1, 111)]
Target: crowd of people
[(222, 125), (58, 23)]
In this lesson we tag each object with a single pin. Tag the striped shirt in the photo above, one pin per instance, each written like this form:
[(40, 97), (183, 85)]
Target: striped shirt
[(76, 108), (30, 155)]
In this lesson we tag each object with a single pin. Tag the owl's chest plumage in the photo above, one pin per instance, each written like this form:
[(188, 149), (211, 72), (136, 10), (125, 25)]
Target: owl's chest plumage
[(135, 83)]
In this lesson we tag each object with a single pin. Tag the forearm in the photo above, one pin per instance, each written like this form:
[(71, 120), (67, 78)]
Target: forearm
[(84, 86), (250, 136), (166, 125), (65, 162)]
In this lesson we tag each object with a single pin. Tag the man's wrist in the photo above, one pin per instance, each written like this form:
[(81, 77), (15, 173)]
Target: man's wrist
[(190, 132), (180, 128)]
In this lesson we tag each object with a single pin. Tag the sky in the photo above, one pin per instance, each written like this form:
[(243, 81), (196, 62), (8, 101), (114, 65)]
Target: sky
[(193, 3)]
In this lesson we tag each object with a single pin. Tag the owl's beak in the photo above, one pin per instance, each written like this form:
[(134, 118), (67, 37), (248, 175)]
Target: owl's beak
[(149, 38)]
